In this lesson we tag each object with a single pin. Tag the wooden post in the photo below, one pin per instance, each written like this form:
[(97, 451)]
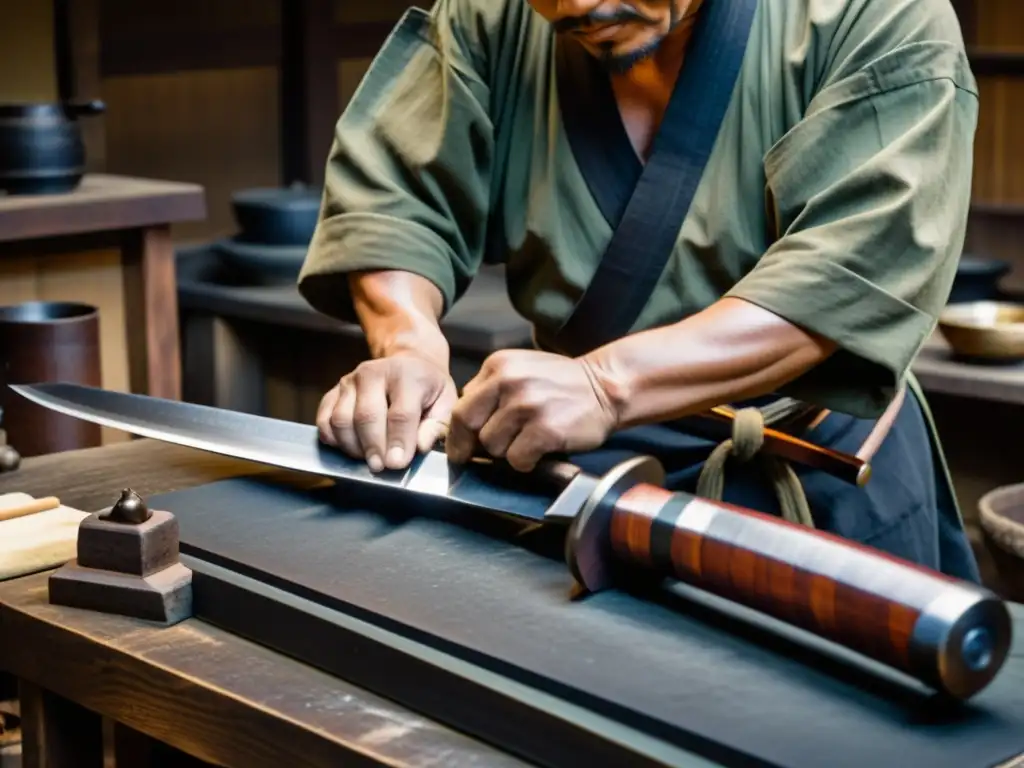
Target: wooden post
[(309, 89), (77, 55), (57, 733), (151, 312)]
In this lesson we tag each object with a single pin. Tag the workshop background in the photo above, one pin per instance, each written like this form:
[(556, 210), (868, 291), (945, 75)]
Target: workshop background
[(204, 101), (232, 95)]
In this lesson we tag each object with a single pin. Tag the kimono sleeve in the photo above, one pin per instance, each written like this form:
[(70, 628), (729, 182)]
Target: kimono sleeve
[(870, 194), (407, 181)]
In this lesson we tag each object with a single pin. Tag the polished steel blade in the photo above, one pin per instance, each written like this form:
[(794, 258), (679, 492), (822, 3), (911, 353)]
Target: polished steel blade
[(295, 446)]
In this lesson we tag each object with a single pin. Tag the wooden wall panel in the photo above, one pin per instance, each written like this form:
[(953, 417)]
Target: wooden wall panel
[(350, 73), (218, 128), (998, 25), (27, 65), (999, 150), (349, 12), (162, 37)]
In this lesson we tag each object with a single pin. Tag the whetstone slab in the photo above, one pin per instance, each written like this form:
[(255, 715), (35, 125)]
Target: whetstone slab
[(670, 663)]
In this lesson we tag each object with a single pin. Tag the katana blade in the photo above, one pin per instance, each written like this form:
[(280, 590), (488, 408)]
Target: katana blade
[(295, 446)]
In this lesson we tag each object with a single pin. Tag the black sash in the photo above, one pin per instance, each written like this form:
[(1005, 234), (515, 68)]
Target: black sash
[(646, 205)]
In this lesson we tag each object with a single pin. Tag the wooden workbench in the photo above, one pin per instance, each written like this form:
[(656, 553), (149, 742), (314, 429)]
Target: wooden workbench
[(107, 243), (193, 688)]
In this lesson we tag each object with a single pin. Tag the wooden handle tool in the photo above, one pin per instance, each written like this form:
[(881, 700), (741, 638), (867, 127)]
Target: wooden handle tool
[(30, 508), (855, 470), (951, 635)]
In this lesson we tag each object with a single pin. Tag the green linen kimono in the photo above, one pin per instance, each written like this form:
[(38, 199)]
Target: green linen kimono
[(836, 196)]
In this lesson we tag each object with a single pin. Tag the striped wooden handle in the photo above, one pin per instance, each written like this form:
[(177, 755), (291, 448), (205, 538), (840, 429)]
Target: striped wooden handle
[(951, 635)]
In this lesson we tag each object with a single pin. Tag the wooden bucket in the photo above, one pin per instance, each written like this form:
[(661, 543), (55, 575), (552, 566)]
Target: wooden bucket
[(1001, 515), (47, 341)]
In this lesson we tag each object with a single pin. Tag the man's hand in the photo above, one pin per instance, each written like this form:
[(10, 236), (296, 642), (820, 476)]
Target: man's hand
[(386, 409), (525, 404)]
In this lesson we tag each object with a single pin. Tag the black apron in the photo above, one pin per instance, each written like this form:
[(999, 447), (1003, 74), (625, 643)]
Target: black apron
[(906, 509)]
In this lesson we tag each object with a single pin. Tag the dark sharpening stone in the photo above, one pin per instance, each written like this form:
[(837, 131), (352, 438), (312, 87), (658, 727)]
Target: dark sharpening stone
[(670, 662)]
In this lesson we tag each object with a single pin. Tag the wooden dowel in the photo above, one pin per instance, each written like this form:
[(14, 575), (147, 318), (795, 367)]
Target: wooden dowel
[(851, 469), (882, 427), (36, 505)]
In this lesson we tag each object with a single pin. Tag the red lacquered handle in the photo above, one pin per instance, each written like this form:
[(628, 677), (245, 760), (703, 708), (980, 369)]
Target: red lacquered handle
[(952, 635)]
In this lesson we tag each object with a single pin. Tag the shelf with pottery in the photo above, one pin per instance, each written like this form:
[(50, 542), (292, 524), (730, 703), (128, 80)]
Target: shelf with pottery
[(241, 280), (252, 343), (93, 239), (105, 243), (977, 351), (941, 372)]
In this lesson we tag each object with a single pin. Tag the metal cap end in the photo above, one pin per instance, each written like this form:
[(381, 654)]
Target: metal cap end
[(962, 639)]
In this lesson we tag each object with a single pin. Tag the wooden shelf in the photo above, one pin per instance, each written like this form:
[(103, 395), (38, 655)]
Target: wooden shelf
[(100, 203), (993, 63), (939, 372), (994, 208)]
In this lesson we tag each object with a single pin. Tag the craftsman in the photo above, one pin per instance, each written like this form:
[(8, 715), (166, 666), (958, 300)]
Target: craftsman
[(755, 203)]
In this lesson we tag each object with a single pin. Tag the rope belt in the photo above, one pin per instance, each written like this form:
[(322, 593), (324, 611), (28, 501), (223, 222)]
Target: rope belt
[(745, 445)]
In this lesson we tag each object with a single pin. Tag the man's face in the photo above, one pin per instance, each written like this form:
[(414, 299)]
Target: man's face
[(618, 32)]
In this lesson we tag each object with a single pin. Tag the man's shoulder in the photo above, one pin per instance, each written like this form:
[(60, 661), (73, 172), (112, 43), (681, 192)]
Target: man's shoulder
[(913, 19), (839, 38), (484, 17)]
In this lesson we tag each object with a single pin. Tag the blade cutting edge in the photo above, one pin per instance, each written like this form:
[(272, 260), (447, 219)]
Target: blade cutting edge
[(278, 443)]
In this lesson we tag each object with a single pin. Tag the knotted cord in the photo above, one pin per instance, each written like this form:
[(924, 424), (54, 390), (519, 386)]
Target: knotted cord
[(745, 445)]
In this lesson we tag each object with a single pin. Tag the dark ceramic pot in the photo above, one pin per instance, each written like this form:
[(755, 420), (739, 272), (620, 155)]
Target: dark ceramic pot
[(41, 148), (977, 279), (262, 264), (277, 216)]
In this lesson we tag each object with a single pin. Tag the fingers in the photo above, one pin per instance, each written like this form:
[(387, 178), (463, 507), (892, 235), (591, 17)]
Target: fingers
[(323, 415), (403, 422), (479, 401), (375, 412), (530, 446), (429, 432), (370, 415), (500, 430), (436, 419), (334, 419)]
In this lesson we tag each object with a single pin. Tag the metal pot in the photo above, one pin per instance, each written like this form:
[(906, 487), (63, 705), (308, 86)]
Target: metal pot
[(977, 279), (277, 216), (41, 147)]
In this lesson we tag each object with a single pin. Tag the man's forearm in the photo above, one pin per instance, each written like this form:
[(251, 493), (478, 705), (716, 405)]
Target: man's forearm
[(399, 312), (731, 351)]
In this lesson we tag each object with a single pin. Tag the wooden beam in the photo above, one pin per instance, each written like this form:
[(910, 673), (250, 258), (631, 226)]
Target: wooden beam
[(77, 56), (309, 88), (988, 63), (223, 48), (127, 51), (362, 40), (967, 12)]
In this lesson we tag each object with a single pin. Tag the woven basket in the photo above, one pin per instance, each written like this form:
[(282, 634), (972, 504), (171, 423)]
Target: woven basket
[(1001, 515)]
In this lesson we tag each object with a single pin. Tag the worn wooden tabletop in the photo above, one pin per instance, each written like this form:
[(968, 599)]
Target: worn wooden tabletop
[(92, 478), (199, 689)]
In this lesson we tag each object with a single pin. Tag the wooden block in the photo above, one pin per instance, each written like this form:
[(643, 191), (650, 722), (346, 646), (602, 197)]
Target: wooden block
[(164, 597), (127, 563), (39, 541), (140, 550)]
